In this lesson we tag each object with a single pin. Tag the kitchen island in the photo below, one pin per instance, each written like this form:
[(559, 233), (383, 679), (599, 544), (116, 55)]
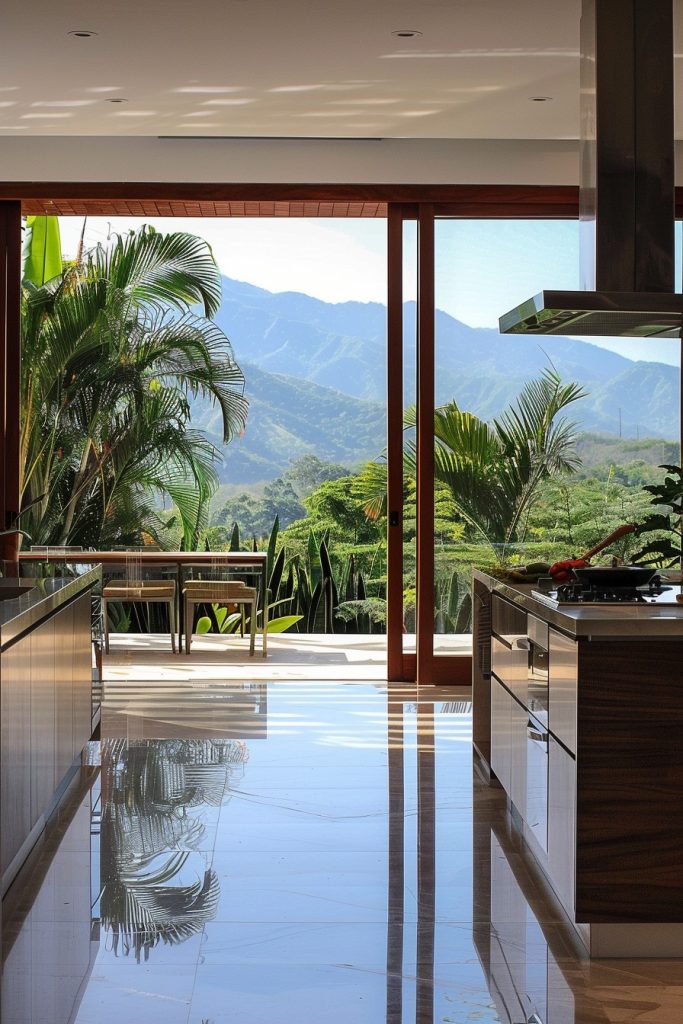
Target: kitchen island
[(45, 699), (578, 714)]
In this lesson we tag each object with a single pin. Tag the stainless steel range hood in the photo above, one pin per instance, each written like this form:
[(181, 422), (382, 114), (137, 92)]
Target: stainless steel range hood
[(626, 182)]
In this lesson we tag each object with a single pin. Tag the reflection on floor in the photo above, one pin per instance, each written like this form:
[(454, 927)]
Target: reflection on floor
[(359, 656), (290, 850)]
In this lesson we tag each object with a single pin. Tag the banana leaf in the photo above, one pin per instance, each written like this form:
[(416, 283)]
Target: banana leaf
[(42, 255)]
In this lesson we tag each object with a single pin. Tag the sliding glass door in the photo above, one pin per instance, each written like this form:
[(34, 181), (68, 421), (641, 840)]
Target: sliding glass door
[(449, 404)]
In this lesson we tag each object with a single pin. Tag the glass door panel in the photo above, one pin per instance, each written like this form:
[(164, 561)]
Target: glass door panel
[(486, 518)]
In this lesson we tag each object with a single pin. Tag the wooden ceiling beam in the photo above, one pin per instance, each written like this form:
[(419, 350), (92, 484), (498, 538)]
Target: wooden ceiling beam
[(155, 199)]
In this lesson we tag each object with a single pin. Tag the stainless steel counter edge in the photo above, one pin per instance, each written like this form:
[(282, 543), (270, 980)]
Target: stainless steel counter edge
[(19, 615), (588, 621)]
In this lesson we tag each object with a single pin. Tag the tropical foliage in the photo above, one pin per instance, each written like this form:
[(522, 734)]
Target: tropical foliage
[(493, 470), (119, 347), (114, 348), (664, 526), (329, 575), (282, 497), (307, 593)]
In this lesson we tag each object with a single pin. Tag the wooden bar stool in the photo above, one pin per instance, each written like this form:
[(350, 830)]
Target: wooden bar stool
[(147, 591), (221, 592)]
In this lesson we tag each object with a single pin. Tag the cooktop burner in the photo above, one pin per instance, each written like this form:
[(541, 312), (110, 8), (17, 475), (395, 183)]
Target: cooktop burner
[(576, 593)]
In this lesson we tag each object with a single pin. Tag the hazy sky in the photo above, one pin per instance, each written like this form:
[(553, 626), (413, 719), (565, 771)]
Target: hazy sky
[(483, 268)]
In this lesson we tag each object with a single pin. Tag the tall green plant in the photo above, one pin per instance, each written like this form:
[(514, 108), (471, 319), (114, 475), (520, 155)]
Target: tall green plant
[(113, 352), (305, 594), (493, 470)]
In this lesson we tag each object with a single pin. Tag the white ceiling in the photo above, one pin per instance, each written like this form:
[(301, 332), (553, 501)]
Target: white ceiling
[(292, 68), (312, 68)]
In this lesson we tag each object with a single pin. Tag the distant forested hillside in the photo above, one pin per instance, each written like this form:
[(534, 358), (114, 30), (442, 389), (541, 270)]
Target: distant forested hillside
[(290, 417), (316, 374)]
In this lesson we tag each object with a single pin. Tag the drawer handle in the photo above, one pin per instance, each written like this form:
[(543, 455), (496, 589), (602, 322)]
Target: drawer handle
[(534, 734), (523, 643)]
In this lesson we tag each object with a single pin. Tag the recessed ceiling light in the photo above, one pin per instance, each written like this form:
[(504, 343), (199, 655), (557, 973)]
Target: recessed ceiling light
[(540, 99), (81, 33), (116, 99), (406, 33)]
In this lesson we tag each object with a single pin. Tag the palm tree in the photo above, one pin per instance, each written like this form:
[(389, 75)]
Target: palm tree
[(113, 350), (493, 470)]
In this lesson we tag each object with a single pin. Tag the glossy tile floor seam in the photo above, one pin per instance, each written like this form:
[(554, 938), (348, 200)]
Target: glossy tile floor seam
[(266, 851)]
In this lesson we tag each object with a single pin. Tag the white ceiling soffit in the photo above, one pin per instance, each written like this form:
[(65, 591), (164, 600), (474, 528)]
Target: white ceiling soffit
[(298, 68), (292, 68)]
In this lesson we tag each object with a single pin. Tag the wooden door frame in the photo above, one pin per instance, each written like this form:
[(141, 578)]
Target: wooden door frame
[(424, 391), (423, 666), (399, 665)]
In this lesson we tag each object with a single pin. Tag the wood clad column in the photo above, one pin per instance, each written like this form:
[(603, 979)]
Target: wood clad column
[(10, 358), (425, 444), (395, 670)]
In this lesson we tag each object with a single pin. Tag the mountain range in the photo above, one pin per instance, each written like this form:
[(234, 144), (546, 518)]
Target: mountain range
[(315, 377)]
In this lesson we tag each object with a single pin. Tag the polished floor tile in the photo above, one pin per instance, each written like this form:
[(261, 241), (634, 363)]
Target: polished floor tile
[(272, 850)]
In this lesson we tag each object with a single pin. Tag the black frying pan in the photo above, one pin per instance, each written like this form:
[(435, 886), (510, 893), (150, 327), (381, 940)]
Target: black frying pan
[(619, 576)]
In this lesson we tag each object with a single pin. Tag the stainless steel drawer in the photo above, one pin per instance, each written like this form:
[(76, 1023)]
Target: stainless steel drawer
[(510, 663), (537, 631), (509, 621)]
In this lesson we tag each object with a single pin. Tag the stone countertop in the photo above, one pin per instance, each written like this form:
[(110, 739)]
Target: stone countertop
[(589, 621), (43, 594)]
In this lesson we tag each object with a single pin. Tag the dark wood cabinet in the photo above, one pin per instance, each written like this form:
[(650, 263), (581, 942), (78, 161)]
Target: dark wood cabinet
[(45, 703)]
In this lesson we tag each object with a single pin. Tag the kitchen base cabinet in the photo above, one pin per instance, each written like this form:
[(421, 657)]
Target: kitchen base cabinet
[(533, 767), (45, 703), (586, 720)]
